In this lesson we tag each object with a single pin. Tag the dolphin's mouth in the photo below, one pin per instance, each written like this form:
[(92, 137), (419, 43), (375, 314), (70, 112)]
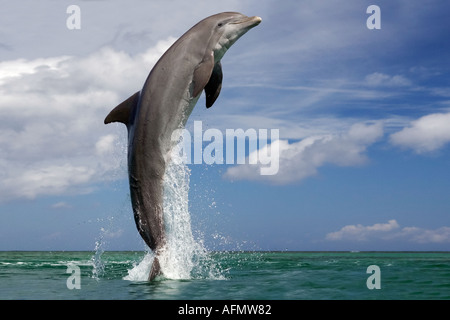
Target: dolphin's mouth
[(252, 21)]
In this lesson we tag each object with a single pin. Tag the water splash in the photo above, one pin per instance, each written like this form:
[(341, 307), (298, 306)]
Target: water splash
[(98, 265), (177, 259), (140, 271), (184, 257)]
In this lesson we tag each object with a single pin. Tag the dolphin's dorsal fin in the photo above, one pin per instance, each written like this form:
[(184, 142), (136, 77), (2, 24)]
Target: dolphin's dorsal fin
[(212, 88), (202, 74), (122, 112)]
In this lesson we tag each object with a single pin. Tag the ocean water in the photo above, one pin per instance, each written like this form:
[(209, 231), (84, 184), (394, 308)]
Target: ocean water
[(226, 276)]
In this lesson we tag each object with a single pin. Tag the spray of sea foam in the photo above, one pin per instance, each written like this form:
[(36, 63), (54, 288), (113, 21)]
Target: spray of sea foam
[(184, 257)]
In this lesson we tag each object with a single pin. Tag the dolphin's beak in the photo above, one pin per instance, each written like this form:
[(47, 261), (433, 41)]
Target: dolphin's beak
[(256, 20), (250, 21)]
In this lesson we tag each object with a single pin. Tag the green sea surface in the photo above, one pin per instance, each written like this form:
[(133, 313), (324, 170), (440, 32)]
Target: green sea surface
[(228, 276)]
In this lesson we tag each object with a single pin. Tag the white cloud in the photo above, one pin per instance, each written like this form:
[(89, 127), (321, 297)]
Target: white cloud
[(20, 67), (105, 145), (419, 235), (381, 79), (61, 205), (390, 231), (302, 159), (426, 134), (44, 179), (360, 232), (52, 138)]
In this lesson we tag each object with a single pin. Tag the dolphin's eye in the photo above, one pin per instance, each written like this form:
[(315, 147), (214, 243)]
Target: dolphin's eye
[(220, 24)]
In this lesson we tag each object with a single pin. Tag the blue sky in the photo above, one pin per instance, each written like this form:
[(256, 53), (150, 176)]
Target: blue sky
[(363, 117)]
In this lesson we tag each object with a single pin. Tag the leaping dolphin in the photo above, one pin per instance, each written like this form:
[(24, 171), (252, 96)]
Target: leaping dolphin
[(189, 66)]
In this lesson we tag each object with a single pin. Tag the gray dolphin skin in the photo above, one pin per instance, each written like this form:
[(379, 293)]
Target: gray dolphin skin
[(191, 65)]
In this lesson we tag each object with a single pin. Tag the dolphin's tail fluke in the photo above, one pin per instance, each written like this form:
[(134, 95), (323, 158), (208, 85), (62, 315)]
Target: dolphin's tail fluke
[(155, 270)]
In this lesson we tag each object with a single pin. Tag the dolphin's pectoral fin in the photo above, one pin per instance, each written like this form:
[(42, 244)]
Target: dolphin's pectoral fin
[(212, 88), (122, 112), (202, 74)]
